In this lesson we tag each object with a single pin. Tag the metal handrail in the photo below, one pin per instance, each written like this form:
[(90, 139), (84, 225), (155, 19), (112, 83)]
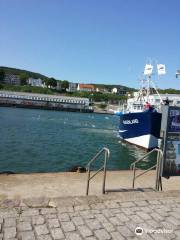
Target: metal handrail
[(147, 154), (106, 156), (157, 165)]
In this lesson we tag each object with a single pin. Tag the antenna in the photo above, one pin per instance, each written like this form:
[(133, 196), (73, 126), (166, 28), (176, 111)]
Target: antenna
[(177, 73)]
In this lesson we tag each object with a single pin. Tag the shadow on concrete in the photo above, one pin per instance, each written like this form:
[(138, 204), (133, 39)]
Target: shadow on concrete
[(131, 190)]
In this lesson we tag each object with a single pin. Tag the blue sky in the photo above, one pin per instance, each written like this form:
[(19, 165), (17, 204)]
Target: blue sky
[(91, 41)]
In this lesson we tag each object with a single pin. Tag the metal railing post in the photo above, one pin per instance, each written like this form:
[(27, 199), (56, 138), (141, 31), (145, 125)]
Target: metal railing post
[(134, 175), (157, 170), (88, 179), (157, 166), (104, 177)]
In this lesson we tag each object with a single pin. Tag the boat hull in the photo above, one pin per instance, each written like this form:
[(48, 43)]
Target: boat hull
[(141, 129)]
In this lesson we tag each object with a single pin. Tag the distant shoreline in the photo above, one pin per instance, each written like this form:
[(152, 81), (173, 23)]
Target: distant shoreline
[(55, 109), (46, 108)]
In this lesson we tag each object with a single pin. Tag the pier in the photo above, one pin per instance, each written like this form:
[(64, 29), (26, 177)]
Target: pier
[(43, 101), (53, 206)]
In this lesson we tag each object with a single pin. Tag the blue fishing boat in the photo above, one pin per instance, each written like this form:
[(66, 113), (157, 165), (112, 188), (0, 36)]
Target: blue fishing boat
[(140, 123), (141, 128)]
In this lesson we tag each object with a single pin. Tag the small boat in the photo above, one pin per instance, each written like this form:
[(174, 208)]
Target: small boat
[(140, 123)]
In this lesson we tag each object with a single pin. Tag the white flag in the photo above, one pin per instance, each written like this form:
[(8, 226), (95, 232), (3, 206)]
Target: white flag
[(161, 69), (148, 69)]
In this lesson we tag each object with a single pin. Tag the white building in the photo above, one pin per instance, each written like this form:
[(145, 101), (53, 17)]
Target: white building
[(156, 100), (114, 90), (12, 79), (36, 82), (72, 87), (59, 86)]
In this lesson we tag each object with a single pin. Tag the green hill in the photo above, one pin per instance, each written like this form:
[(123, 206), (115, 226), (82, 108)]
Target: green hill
[(17, 71), (29, 74), (111, 86)]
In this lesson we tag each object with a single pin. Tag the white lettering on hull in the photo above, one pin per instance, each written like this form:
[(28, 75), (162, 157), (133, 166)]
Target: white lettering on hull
[(133, 121)]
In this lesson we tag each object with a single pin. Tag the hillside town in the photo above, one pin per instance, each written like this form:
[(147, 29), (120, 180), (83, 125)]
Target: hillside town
[(68, 95), (12, 79)]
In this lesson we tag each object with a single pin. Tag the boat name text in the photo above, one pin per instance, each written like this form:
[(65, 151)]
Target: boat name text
[(133, 121)]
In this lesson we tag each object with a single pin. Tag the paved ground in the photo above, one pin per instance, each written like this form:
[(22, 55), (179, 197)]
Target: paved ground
[(54, 206), (113, 216)]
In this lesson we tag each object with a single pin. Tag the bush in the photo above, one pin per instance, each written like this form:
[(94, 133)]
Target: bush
[(103, 106), (26, 88)]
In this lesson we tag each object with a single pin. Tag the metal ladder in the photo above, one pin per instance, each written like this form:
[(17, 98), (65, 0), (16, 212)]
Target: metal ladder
[(157, 166), (88, 168)]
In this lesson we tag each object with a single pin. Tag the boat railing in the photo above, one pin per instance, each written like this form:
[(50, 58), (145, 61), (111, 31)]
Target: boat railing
[(156, 166), (106, 153)]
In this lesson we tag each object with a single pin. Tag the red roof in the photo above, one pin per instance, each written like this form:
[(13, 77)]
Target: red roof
[(89, 86)]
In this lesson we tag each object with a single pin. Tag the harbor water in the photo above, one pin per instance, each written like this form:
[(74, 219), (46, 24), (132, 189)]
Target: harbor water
[(35, 140)]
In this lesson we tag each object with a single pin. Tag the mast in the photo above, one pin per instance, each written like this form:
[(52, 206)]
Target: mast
[(148, 88), (148, 72)]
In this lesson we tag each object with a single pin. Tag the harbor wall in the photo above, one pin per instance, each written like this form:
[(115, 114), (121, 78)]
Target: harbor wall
[(38, 101)]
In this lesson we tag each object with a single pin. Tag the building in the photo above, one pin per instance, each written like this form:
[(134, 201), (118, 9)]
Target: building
[(72, 87), (34, 100), (36, 82), (114, 90), (11, 79), (156, 100), (85, 88), (59, 86), (121, 91), (101, 90)]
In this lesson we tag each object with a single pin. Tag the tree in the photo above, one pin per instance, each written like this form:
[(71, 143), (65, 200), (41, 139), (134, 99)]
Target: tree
[(52, 82), (2, 75), (23, 78), (65, 84), (46, 81)]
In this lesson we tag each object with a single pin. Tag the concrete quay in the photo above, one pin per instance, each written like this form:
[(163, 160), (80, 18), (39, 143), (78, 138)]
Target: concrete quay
[(54, 206), (64, 184)]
